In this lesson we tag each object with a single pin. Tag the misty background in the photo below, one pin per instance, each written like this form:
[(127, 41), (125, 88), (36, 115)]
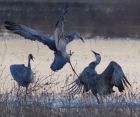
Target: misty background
[(109, 18)]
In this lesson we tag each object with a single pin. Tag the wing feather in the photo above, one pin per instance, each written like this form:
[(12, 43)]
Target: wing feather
[(20, 72), (114, 76), (30, 34), (59, 37)]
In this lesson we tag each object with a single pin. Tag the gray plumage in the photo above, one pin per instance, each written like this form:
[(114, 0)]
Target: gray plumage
[(22, 74), (57, 44), (101, 84)]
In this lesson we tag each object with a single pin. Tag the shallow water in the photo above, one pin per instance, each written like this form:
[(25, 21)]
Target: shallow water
[(14, 49)]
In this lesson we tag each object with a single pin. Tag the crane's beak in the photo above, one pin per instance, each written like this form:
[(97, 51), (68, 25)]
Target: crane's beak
[(33, 58), (93, 52)]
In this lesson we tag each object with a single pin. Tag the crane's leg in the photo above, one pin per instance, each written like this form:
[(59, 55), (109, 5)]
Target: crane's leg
[(26, 92), (101, 99), (98, 101), (18, 91)]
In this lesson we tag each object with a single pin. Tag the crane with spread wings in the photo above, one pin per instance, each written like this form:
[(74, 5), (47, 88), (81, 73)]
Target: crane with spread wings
[(101, 84), (58, 44)]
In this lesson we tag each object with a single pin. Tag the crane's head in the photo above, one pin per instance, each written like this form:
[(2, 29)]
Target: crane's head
[(98, 57), (31, 57), (77, 35)]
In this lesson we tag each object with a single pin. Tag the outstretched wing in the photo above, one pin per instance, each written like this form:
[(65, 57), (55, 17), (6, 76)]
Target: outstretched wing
[(83, 81), (59, 32), (114, 76), (64, 12), (59, 37), (30, 34), (69, 37), (62, 40)]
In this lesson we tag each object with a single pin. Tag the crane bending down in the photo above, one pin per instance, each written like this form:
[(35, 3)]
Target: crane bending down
[(23, 75), (58, 45), (101, 84)]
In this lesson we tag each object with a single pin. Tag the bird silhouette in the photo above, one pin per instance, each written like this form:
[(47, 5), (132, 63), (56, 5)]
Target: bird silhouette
[(22, 74), (57, 44), (101, 84)]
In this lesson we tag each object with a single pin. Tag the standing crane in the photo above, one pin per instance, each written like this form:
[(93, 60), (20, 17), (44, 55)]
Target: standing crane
[(22, 74), (101, 84), (58, 44)]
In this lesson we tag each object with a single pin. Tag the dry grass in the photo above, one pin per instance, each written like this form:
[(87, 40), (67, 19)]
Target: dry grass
[(39, 110), (42, 102)]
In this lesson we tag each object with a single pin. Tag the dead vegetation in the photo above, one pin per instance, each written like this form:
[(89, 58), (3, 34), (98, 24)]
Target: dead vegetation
[(43, 102)]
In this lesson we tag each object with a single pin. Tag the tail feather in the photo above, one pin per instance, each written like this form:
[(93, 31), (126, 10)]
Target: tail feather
[(126, 80), (121, 88), (10, 23)]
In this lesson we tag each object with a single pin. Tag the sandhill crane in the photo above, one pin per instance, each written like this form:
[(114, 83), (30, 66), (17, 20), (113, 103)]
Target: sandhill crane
[(101, 84), (23, 75), (58, 45)]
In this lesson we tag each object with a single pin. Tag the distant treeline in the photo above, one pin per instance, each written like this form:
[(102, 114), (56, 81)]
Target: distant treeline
[(109, 19)]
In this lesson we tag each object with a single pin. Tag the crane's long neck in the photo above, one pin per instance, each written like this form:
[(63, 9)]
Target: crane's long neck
[(96, 62), (29, 62), (98, 59)]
